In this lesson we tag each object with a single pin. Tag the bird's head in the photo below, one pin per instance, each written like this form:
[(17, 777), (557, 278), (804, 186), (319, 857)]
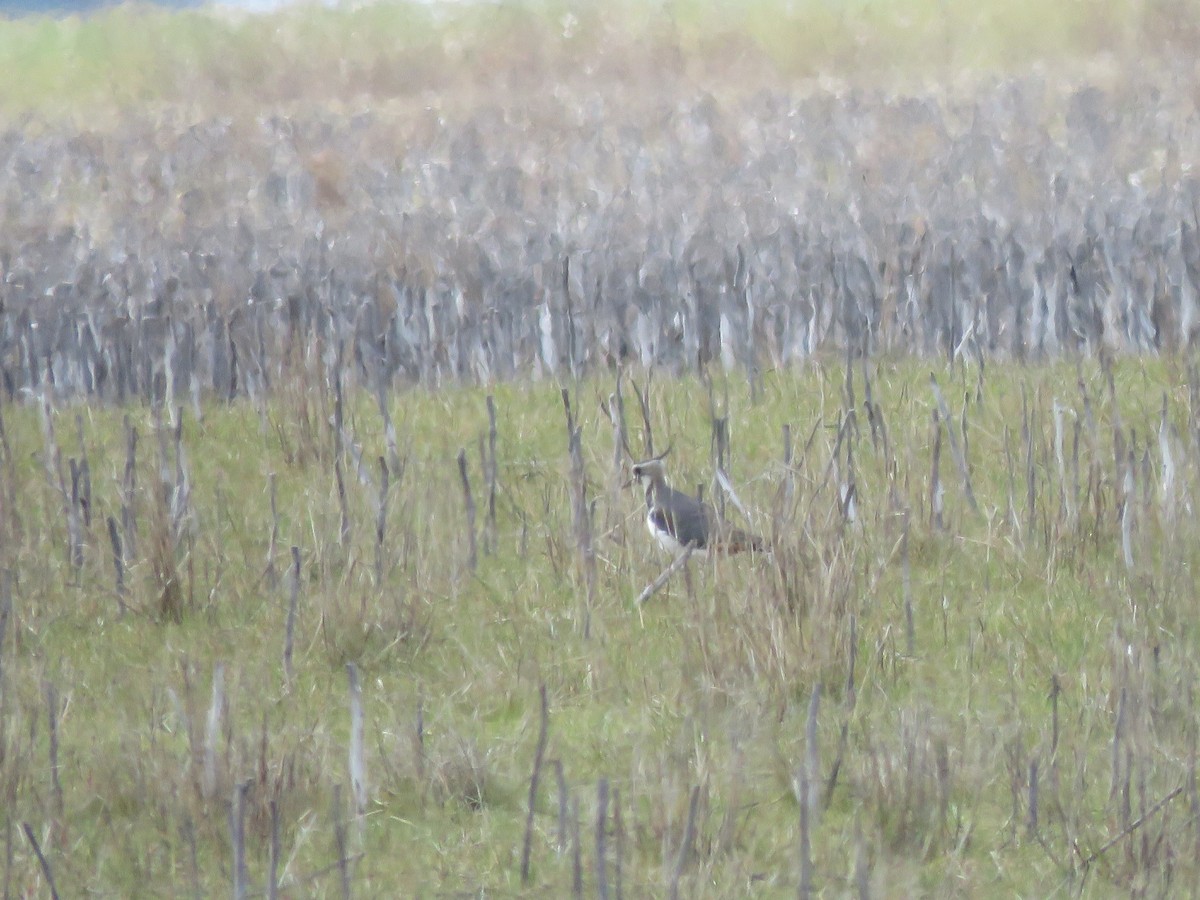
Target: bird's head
[(651, 471)]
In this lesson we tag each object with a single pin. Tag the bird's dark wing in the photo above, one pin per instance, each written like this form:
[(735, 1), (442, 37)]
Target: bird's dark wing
[(686, 518)]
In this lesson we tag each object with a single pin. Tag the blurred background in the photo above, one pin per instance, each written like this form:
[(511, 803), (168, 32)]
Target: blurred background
[(482, 191)]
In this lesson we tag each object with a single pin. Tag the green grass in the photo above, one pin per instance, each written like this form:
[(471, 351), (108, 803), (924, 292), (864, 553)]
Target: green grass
[(706, 685), (134, 57)]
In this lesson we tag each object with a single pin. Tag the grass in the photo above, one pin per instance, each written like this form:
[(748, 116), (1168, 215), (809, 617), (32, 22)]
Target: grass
[(1033, 645), (1030, 733), (135, 57)]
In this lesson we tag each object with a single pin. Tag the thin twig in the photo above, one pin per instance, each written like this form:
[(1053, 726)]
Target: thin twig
[(118, 559), (601, 848), (1133, 826), (960, 459), (469, 502), (805, 840), (357, 764), (339, 836), (273, 859), (237, 830), (656, 585), (538, 757), (685, 846), (52, 713), (576, 853), (290, 628), (41, 859)]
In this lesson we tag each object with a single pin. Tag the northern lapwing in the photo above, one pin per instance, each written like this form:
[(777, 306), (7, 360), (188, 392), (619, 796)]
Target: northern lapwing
[(677, 520)]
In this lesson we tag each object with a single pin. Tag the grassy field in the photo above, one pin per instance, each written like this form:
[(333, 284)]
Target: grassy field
[(139, 57), (984, 701), (271, 647)]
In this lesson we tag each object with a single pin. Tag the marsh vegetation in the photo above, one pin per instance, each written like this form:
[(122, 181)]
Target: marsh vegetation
[(317, 564)]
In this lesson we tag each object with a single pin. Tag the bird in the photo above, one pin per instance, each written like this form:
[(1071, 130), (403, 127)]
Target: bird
[(677, 520)]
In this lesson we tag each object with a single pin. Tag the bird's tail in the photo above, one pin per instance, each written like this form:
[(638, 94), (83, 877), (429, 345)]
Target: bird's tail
[(737, 541)]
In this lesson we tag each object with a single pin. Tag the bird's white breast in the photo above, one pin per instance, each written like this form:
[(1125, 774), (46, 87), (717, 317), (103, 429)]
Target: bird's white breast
[(666, 540)]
